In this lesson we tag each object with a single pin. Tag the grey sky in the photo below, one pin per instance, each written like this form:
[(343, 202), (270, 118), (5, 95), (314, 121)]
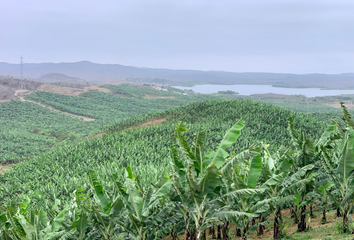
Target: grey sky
[(298, 36)]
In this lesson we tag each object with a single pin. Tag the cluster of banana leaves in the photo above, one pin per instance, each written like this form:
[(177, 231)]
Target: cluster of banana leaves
[(205, 192)]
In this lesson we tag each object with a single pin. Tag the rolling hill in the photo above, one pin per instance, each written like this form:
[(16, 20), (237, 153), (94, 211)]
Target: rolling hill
[(42, 120), (131, 182), (146, 149), (59, 78), (99, 73)]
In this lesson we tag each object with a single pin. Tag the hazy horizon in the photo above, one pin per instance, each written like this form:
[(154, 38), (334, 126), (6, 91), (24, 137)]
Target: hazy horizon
[(180, 69), (272, 36)]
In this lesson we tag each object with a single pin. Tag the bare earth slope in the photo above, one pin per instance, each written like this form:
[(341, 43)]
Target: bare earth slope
[(9, 88)]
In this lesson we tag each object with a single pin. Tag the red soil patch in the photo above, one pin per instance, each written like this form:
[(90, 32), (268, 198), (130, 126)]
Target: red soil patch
[(337, 105), (70, 91), (5, 167), (97, 135), (156, 121)]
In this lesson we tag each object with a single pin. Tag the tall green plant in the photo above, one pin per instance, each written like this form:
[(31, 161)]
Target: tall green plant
[(146, 209), (275, 173), (197, 176), (342, 175)]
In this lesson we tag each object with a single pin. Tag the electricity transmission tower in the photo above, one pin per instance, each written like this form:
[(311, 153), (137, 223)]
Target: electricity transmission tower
[(21, 82)]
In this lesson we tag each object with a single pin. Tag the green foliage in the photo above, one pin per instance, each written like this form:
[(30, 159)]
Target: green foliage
[(28, 129), (194, 182), (111, 108), (145, 183), (147, 148)]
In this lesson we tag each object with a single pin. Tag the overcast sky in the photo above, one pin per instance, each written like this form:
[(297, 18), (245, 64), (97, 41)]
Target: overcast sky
[(297, 36)]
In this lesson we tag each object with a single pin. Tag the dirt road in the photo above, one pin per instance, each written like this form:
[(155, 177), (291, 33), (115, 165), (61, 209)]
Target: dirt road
[(18, 94)]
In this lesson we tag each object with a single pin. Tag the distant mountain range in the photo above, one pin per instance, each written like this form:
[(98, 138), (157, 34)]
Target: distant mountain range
[(99, 73)]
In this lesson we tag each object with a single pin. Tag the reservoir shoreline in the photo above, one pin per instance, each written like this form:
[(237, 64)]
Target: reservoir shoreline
[(248, 89)]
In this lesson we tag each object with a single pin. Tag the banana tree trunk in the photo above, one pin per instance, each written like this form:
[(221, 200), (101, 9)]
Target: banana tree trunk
[(253, 222), (338, 214), (244, 236), (212, 232), (238, 232), (225, 231), (219, 232), (193, 234), (311, 212), (276, 224), (324, 219), (260, 230), (187, 232), (293, 210), (345, 221), (173, 234), (263, 219), (245, 230), (200, 234), (301, 226)]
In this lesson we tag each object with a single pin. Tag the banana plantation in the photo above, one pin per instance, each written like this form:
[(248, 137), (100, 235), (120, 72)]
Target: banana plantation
[(28, 129), (203, 193)]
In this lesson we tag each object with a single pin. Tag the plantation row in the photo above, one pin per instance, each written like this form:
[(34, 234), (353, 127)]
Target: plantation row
[(100, 105), (62, 173), (28, 129)]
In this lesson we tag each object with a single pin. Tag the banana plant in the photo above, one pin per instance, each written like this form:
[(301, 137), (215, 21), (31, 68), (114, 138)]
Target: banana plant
[(274, 173), (197, 177), (307, 165), (321, 190), (146, 209), (104, 212), (242, 198), (299, 184), (242, 181), (338, 164), (342, 175), (17, 223)]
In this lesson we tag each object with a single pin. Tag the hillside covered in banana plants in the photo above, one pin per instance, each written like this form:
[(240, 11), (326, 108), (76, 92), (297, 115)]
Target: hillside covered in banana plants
[(217, 168), (43, 120)]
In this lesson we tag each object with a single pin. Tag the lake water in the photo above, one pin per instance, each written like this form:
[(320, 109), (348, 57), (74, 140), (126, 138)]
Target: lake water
[(264, 89)]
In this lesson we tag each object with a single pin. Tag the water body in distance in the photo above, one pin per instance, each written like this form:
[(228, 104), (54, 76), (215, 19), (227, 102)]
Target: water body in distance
[(264, 89)]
